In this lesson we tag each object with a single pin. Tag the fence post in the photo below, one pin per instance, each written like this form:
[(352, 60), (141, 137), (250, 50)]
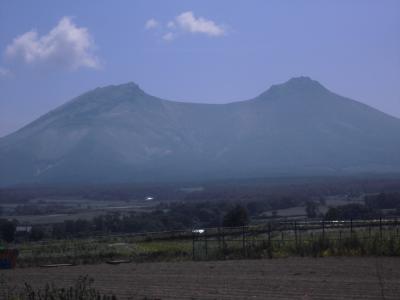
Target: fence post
[(206, 243), (223, 241), (299, 234), (193, 251), (380, 228), (369, 230), (219, 241), (393, 229), (351, 228), (323, 229), (295, 232), (244, 241), (269, 240), (269, 234)]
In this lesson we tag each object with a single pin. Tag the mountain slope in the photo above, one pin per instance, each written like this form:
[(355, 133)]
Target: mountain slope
[(119, 133)]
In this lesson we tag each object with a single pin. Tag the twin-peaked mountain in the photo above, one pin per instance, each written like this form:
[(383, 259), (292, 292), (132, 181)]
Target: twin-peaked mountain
[(121, 134)]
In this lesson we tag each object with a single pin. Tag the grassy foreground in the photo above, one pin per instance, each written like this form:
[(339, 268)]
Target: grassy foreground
[(361, 242)]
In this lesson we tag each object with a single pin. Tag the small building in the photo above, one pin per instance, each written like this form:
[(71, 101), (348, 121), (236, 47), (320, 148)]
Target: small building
[(23, 229)]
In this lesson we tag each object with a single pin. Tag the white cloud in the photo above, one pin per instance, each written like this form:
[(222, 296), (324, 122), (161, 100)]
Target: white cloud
[(151, 23), (171, 24), (4, 72), (188, 22), (169, 36), (66, 45)]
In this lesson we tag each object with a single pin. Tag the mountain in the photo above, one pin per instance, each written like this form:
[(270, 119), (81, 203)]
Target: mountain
[(120, 133)]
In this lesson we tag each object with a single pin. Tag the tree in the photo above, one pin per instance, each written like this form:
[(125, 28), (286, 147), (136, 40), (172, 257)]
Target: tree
[(237, 216), (37, 233), (7, 229), (332, 214), (350, 211), (311, 209)]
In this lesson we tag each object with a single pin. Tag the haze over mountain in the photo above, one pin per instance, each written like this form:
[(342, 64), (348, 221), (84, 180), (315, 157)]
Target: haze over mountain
[(120, 133)]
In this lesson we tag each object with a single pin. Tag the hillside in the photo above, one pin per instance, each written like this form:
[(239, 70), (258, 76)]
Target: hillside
[(120, 133)]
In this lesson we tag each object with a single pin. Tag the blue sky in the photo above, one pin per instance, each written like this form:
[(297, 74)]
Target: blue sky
[(200, 51)]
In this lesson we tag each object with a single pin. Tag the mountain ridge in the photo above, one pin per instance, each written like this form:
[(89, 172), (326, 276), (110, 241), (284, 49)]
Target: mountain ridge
[(120, 133)]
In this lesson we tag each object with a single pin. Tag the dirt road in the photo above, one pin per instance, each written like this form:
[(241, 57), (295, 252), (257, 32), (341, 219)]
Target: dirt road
[(286, 278)]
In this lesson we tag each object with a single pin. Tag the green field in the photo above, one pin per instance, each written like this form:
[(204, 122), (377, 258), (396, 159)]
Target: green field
[(306, 239)]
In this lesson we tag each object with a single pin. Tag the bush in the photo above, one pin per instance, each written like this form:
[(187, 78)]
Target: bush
[(236, 217), (311, 209), (350, 211), (7, 230)]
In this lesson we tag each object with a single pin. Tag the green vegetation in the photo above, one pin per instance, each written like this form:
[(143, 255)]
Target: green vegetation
[(7, 230), (356, 244), (204, 214), (311, 209), (360, 242), (351, 211), (274, 240), (374, 206), (170, 226), (237, 216), (91, 251)]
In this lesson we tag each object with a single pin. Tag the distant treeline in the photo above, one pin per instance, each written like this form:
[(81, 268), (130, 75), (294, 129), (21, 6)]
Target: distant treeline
[(375, 206), (202, 214), (165, 217), (234, 190)]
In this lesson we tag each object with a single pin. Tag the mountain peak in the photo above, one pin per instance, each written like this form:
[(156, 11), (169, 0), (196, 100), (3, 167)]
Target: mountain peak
[(130, 86), (301, 84), (115, 91), (301, 80)]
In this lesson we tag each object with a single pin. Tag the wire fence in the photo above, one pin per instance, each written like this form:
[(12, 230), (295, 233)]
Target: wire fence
[(271, 239), (299, 237)]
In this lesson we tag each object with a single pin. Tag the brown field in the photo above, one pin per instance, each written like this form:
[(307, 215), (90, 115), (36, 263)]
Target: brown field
[(285, 278)]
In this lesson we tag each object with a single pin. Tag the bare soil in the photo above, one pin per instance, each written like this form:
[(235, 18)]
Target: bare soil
[(284, 278)]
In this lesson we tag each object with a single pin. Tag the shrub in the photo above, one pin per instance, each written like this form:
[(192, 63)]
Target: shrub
[(236, 217)]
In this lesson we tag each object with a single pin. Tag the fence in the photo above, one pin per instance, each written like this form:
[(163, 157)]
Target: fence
[(272, 239), (377, 237)]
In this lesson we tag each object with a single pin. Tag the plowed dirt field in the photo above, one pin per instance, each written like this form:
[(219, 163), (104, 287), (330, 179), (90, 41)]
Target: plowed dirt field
[(285, 278)]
